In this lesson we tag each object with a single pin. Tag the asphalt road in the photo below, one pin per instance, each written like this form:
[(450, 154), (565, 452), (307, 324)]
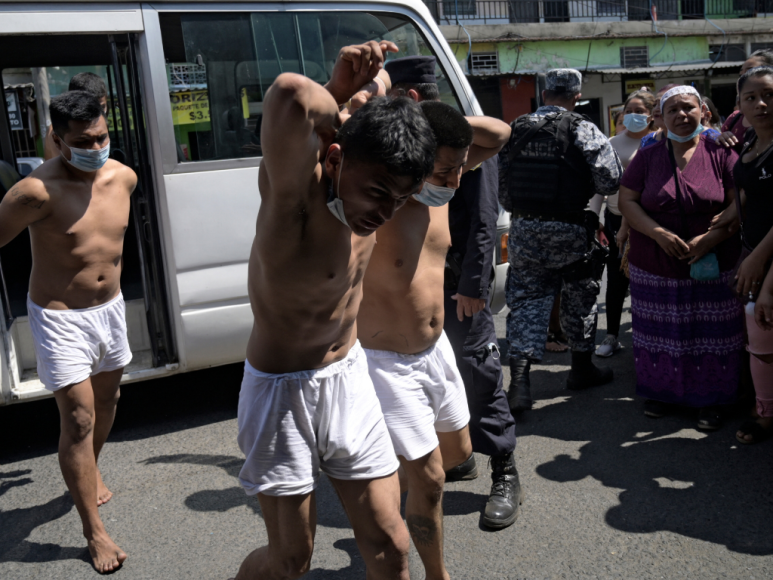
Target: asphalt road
[(609, 492)]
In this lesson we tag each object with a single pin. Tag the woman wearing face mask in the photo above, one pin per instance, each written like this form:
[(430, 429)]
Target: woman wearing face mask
[(657, 119), (735, 127), (638, 123), (754, 282), (687, 324)]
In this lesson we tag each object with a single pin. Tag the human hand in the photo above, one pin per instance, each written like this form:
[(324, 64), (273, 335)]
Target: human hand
[(699, 247), (375, 88), (466, 306), (671, 244), (622, 236), (727, 139), (763, 311), (356, 66), (726, 219), (750, 275)]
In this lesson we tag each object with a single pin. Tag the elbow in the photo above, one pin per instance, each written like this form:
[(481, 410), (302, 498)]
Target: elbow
[(287, 88)]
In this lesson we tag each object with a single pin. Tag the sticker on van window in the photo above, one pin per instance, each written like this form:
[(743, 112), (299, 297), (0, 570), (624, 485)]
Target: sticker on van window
[(190, 107)]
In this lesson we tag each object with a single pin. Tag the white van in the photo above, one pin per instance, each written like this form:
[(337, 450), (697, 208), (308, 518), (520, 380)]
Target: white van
[(186, 82)]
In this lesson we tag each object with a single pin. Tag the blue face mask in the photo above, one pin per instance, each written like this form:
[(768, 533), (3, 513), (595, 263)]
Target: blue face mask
[(434, 195), (334, 203), (88, 160), (635, 122), (679, 139)]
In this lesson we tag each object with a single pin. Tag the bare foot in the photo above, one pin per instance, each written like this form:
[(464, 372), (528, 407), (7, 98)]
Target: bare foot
[(103, 494), (106, 556)]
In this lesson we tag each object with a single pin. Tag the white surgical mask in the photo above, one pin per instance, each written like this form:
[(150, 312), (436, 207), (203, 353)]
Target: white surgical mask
[(698, 130), (334, 202), (434, 195), (88, 160), (635, 122)]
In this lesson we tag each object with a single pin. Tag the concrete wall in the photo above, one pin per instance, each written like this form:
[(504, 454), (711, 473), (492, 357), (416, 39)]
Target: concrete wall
[(542, 55)]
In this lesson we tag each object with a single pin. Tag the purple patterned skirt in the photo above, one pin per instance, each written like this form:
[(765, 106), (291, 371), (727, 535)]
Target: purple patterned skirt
[(687, 339)]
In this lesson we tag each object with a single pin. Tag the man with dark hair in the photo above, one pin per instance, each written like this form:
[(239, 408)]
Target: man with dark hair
[(76, 207), (84, 81), (469, 325), (554, 163), (91, 83), (401, 327), (306, 402)]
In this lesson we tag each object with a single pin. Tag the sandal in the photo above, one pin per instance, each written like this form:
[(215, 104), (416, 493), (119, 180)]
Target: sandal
[(757, 431), (709, 419), (554, 343)]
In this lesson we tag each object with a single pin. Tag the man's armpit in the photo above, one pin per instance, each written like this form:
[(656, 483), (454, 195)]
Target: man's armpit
[(18, 196)]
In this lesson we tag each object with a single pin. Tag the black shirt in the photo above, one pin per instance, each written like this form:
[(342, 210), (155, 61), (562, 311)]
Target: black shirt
[(472, 216), (756, 179)]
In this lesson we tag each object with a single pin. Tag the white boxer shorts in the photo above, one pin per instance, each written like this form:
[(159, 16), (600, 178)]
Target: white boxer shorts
[(291, 425), (73, 345), (421, 394)]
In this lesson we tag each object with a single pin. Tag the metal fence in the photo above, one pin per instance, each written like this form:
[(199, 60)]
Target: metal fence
[(525, 11)]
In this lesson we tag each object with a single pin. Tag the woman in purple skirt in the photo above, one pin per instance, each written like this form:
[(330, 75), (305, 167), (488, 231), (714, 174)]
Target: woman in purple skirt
[(687, 324)]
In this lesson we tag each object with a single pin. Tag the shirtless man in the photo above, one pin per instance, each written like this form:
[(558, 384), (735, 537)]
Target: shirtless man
[(76, 207), (400, 324), (306, 402)]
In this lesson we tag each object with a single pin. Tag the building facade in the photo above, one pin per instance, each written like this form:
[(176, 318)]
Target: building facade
[(619, 46)]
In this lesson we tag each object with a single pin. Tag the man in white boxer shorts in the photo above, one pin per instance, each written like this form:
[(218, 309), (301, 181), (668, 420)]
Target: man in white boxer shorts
[(306, 402), (400, 323), (76, 207)]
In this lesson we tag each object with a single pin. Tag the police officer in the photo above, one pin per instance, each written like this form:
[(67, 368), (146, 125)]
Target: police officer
[(553, 164), (473, 213)]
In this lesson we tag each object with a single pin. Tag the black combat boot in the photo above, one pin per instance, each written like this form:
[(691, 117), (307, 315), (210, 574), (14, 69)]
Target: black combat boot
[(464, 472), (506, 497), (519, 394), (584, 373)]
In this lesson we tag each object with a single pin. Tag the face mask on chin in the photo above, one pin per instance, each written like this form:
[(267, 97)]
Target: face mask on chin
[(679, 139), (334, 202), (434, 195), (88, 160)]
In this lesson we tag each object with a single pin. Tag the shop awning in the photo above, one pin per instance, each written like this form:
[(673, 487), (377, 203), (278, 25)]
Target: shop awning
[(676, 67)]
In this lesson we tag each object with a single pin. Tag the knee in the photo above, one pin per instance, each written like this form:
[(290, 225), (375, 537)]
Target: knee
[(78, 424), (429, 482)]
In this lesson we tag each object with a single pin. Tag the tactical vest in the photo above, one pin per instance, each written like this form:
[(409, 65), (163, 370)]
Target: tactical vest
[(546, 173)]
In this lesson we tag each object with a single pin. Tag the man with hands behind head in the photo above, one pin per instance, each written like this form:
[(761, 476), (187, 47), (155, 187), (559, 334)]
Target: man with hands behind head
[(401, 325), (306, 402)]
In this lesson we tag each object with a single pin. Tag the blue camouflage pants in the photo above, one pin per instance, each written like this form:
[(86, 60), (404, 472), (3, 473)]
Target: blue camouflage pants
[(538, 250)]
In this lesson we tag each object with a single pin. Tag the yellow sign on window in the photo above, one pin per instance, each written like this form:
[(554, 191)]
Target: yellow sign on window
[(190, 107)]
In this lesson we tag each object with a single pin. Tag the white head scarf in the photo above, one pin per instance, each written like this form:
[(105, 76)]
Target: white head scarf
[(680, 90)]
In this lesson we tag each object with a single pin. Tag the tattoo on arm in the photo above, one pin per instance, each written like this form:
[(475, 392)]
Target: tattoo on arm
[(25, 199), (423, 529)]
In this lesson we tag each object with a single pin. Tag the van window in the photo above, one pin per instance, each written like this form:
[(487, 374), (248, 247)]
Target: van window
[(220, 65)]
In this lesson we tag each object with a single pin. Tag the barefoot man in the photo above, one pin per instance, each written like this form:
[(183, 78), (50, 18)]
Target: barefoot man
[(76, 207), (400, 324), (306, 402)]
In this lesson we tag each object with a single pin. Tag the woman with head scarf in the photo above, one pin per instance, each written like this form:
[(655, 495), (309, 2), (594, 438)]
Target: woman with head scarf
[(687, 323), (657, 119)]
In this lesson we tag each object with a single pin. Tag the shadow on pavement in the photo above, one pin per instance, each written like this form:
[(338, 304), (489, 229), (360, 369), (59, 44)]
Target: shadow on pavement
[(355, 569), (18, 524), (672, 477), (146, 409), (329, 511)]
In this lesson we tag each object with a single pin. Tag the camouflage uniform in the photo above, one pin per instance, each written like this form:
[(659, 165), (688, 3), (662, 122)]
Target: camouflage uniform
[(539, 249)]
